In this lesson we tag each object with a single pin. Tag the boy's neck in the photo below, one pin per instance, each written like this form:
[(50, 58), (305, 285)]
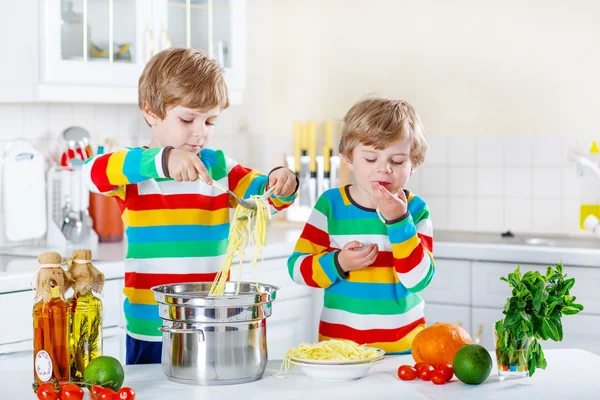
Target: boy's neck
[(361, 197), (154, 143)]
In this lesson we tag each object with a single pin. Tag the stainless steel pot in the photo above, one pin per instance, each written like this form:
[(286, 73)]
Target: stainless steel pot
[(214, 340)]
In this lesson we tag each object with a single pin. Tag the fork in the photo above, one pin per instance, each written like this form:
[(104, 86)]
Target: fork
[(250, 204)]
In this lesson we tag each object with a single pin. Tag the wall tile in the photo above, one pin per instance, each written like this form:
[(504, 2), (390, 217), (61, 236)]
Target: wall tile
[(548, 151), (518, 182), (11, 116), (518, 151), (461, 181), (434, 181), (490, 181), (490, 215), (518, 214), (547, 215), (461, 150), (462, 213), (437, 154), (438, 207), (547, 182), (489, 150)]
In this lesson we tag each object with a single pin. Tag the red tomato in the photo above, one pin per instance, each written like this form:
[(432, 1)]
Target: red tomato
[(46, 391), (125, 393), (425, 372), (439, 378), (419, 365), (407, 373), (446, 369), (100, 393), (70, 391)]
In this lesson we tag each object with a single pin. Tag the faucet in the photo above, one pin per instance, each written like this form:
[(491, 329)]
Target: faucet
[(582, 161)]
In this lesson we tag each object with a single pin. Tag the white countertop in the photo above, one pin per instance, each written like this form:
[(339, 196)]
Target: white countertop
[(564, 378), (16, 272)]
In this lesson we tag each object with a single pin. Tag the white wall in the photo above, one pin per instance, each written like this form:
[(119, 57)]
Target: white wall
[(501, 86)]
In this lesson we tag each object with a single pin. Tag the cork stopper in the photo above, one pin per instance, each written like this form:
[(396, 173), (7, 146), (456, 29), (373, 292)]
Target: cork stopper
[(50, 257), (51, 275), (84, 276), (82, 254)]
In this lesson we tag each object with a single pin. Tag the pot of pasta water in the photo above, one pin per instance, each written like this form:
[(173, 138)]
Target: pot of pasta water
[(219, 340)]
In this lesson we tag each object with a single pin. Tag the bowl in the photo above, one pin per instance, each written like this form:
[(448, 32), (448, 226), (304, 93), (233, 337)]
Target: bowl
[(336, 372), (379, 355)]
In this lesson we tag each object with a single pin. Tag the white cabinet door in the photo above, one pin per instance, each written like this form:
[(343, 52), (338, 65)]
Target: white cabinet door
[(579, 332), (459, 315), (482, 327), (450, 283), (215, 26), (490, 291), (112, 303), (92, 42), (288, 326), (16, 313)]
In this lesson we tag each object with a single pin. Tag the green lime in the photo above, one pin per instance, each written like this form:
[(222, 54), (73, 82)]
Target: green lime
[(472, 364), (105, 371)]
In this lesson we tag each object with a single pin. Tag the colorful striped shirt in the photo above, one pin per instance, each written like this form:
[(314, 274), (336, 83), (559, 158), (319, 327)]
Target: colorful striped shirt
[(176, 231), (378, 305)]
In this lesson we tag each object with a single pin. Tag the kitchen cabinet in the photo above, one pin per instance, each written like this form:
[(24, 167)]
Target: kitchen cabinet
[(292, 320), (450, 283), (95, 50), (459, 315)]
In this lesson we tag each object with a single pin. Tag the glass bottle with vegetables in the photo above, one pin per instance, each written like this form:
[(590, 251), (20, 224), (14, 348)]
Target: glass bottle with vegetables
[(85, 312), (50, 321)]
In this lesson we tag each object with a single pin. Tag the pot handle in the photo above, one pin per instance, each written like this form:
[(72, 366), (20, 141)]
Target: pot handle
[(200, 332)]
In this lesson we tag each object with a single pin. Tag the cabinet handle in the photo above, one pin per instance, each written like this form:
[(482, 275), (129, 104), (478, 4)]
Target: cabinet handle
[(148, 43), (164, 36), (479, 333)]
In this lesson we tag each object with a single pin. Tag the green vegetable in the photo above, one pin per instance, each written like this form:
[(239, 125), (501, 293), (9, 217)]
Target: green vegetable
[(533, 313)]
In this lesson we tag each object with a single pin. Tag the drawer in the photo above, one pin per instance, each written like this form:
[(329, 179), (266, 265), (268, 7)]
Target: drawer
[(450, 283), (16, 311), (490, 291)]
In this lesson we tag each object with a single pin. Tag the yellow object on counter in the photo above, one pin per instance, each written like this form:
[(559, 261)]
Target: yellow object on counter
[(297, 146)]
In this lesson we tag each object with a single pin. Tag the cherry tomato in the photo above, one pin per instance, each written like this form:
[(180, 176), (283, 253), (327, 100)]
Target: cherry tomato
[(70, 391), (407, 373), (100, 393), (125, 393), (439, 378), (46, 391), (419, 365), (446, 369), (425, 372)]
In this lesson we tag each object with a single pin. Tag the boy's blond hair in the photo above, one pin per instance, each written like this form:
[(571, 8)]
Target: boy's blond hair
[(378, 122), (182, 77)]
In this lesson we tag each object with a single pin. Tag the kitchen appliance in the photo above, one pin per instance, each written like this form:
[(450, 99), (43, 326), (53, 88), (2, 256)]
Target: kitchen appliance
[(218, 340), (23, 192)]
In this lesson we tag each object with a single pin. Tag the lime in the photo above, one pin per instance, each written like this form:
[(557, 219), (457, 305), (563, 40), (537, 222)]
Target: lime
[(105, 371), (472, 364)]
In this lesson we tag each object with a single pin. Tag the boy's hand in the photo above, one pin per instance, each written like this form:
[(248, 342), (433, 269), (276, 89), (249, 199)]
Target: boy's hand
[(352, 260), (284, 182), (184, 166), (390, 206)]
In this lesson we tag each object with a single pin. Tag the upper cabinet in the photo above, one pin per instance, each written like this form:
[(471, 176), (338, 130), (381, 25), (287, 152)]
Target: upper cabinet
[(95, 50)]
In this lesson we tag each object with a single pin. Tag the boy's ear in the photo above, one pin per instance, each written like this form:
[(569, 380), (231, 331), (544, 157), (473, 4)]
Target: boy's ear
[(348, 162), (151, 118)]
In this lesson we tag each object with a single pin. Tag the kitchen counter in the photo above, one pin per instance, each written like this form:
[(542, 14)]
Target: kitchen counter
[(562, 379), (16, 271)]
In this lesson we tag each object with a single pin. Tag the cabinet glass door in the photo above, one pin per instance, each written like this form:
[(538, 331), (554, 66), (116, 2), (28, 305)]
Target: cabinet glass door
[(98, 30)]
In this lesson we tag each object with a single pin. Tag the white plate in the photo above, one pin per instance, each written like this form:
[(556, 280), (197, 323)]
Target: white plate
[(337, 372), (380, 354)]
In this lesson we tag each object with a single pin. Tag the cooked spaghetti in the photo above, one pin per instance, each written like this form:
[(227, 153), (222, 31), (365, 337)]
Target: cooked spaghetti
[(248, 228), (331, 350)]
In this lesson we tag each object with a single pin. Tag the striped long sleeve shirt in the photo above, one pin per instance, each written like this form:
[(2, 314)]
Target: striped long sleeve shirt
[(176, 231), (378, 305)]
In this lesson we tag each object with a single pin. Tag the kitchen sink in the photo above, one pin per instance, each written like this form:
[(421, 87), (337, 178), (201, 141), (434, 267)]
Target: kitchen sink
[(577, 242)]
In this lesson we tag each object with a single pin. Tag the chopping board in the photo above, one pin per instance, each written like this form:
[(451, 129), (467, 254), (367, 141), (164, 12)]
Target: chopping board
[(23, 192)]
